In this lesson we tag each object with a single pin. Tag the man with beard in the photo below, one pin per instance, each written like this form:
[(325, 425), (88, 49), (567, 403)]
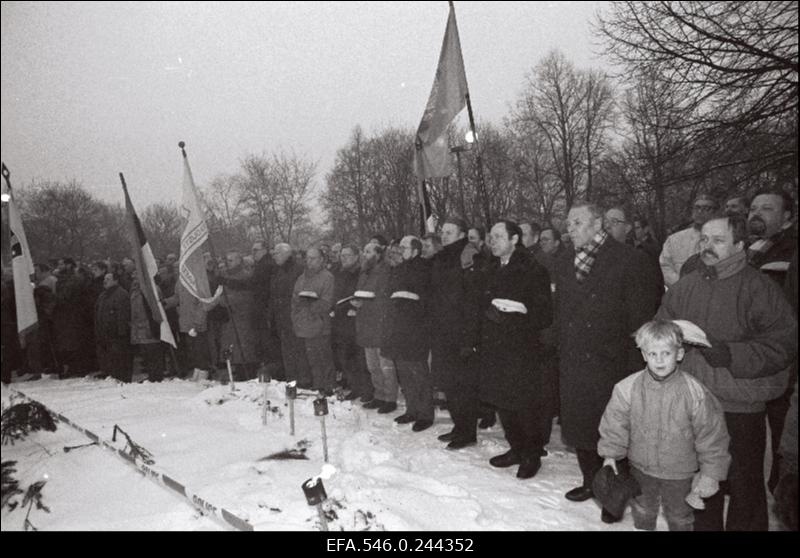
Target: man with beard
[(516, 306), (293, 351), (752, 335), (312, 300), (774, 241), (455, 324), (603, 296), (348, 356), (407, 342), (682, 245), (372, 303)]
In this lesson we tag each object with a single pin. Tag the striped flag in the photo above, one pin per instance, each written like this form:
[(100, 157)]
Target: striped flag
[(21, 263), (193, 275), (448, 97), (146, 269)]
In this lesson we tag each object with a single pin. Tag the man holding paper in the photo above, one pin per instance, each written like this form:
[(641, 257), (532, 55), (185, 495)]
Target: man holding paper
[(515, 308), (312, 301), (752, 334)]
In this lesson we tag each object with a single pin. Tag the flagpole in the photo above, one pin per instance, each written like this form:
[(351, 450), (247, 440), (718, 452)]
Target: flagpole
[(479, 160), (182, 145)]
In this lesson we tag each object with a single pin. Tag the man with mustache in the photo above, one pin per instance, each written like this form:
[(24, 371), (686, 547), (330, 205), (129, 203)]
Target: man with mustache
[(753, 336), (774, 241)]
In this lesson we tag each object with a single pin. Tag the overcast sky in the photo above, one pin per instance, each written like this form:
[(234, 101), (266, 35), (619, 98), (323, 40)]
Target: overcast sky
[(92, 89)]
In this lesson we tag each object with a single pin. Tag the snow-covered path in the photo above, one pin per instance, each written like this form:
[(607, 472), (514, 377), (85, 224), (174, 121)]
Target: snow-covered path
[(214, 442)]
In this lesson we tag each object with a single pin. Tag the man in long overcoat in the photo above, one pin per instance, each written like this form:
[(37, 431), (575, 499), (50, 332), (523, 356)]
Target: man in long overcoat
[(516, 307), (408, 339), (112, 324), (603, 295)]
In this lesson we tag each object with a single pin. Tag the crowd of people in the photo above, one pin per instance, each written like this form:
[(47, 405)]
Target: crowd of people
[(524, 322)]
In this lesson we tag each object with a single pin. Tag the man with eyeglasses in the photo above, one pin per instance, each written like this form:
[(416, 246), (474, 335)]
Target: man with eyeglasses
[(683, 244), (407, 342), (616, 224)]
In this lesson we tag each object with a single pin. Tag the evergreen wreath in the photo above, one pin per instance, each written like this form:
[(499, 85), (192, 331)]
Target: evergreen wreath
[(23, 418)]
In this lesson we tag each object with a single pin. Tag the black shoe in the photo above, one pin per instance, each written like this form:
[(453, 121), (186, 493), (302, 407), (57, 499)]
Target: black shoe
[(326, 393), (607, 517), (506, 459), (421, 425), (487, 422), (580, 494), (449, 437), (366, 398), (529, 467), (458, 444), (351, 396), (387, 407), (405, 419), (304, 386), (373, 404), (543, 453)]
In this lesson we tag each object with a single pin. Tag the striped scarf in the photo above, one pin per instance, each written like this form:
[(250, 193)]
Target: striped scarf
[(584, 258)]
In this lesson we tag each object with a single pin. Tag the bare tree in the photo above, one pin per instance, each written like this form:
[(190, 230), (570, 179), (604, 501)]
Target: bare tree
[(162, 225), (63, 219), (735, 63)]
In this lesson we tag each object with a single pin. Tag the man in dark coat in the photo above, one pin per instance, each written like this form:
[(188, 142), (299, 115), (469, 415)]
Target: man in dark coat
[(602, 295), (516, 306), (454, 332), (112, 327), (259, 284), (349, 356), (293, 350), (67, 319), (775, 241), (407, 342)]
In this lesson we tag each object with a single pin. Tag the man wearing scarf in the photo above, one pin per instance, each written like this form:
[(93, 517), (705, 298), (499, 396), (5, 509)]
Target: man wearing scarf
[(604, 293), (753, 336)]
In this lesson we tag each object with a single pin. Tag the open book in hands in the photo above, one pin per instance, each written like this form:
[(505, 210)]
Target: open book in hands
[(692, 333)]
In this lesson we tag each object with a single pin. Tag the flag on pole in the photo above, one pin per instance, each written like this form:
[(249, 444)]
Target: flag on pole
[(21, 263), (448, 98), (193, 275), (146, 269)]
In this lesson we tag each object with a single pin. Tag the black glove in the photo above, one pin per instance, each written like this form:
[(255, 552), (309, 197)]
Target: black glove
[(718, 355)]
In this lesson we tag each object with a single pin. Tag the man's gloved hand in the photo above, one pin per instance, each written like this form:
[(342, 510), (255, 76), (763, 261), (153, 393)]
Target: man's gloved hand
[(718, 355), (704, 485), (611, 462)]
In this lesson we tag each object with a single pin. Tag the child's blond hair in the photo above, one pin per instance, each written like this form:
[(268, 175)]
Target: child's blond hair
[(659, 330)]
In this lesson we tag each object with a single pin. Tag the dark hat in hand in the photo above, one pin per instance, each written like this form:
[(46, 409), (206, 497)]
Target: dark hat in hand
[(614, 490)]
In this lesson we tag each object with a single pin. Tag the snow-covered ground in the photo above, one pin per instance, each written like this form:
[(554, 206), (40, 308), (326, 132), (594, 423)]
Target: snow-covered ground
[(214, 442)]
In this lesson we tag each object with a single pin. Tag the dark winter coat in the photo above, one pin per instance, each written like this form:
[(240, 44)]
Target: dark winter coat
[(69, 312), (596, 319), (371, 316), (113, 315), (238, 330), (408, 338), (510, 376), (455, 297), (280, 293), (749, 313), (775, 261), (259, 283), (344, 314)]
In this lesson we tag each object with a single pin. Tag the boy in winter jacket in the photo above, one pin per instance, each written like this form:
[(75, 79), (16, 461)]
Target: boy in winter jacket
[(671, 429)]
